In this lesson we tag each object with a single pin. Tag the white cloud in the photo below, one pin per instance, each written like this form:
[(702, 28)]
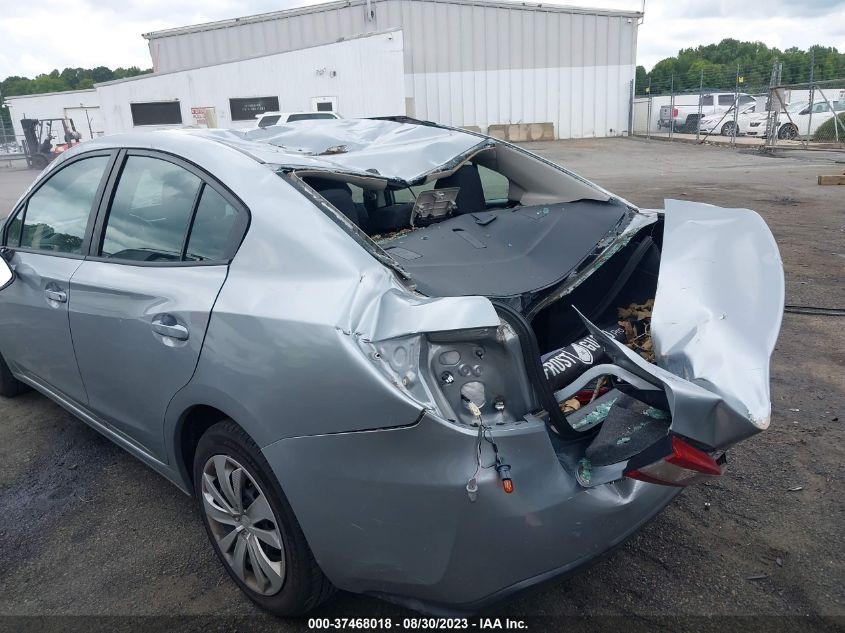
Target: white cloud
[(40, 36)]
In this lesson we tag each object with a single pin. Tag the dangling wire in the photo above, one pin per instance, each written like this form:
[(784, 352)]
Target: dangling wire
[(485, 434)]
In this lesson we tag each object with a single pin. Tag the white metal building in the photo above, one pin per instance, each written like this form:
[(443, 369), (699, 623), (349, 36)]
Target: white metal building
[(80, 105), (512, 69), (465, 62), (301, 80)]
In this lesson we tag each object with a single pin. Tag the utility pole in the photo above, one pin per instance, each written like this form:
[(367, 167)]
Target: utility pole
[(812, 90), (672, 107), (700, 98), (3, 132), (772, 124), (736, 105)]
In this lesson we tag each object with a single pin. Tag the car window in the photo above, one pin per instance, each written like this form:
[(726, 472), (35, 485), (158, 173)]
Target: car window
[(746, 99), (57, 214), (216, 226), (269, 120), (357, 193), (494, 184), (726, 100), (708, 100), (150, 211), (310, 115), (13, 234)]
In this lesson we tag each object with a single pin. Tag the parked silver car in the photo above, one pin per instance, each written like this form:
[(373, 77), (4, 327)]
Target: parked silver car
[(385, 356)]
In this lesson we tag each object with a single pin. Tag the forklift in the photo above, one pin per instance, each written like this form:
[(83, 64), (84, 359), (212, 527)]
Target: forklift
[(38, 137)]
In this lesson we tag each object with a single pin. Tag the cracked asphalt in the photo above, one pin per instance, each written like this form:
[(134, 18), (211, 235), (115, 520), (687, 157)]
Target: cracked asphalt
[(87, 530)]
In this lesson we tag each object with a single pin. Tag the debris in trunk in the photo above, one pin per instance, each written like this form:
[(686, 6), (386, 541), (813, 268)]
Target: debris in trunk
[(635, 320), (573, 404), (657, 414), (379, 238), (584, 470), (600, 413)]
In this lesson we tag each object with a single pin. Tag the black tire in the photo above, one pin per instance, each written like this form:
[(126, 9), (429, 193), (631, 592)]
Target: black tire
[(304, 586), (788, 132), (9, 385), (728, 129)]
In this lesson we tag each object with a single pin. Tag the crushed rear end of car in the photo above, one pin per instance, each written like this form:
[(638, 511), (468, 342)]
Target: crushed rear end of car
[(575, 362)]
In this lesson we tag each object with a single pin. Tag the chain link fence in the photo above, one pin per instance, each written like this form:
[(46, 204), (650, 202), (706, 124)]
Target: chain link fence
[(799, 115), (807, 115)]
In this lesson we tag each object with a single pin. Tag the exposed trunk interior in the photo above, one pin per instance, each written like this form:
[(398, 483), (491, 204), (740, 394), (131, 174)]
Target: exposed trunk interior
[(608, 419)]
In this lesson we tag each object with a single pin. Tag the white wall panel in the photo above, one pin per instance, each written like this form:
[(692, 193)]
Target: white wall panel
[(56, 105), (600, 108), (369, 81)]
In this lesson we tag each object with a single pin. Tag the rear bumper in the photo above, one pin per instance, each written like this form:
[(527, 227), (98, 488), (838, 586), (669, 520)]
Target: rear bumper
[(386, 512)]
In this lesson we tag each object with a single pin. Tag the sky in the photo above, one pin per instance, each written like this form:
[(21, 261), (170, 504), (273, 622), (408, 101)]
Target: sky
[(36, 37)]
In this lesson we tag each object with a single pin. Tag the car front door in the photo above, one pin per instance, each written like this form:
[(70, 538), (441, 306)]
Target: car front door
[(142, 299), (47, 237)]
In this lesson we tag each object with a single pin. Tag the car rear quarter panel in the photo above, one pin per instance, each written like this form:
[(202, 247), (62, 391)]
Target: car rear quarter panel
[(280, 355)]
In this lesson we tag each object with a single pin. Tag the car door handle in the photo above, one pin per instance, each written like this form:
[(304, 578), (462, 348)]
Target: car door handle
[(59, 296), (177, 331)]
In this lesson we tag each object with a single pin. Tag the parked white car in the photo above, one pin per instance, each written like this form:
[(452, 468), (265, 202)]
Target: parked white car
[(799, 123), (684, 118), (723, 122), (280, 118), (757, 121)]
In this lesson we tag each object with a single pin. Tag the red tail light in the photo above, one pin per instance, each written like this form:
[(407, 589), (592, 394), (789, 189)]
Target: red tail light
[(674, 112), (685, 465)]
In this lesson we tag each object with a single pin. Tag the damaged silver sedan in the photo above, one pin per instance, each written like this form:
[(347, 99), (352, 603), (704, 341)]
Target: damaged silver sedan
[(386, 356)]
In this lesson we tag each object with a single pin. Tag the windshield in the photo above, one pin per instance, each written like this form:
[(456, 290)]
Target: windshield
[(307, 116), (269, 120), (796, 107)]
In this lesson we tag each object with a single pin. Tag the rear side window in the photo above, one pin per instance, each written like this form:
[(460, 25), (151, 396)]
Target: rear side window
[(217, 228), (726, 100), (150, 211), (706, 101), (495, 185), (57, 214)]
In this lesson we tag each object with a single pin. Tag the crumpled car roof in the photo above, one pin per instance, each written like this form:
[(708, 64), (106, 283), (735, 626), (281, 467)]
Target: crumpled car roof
[(367, 147)]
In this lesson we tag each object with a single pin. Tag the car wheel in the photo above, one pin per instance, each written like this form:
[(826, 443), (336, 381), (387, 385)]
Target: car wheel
[(788, 132), (252, 526), (728, 129), (9, 385)]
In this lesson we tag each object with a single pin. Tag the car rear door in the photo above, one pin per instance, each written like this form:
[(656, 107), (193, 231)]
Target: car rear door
[(47, 237), (142, 299)]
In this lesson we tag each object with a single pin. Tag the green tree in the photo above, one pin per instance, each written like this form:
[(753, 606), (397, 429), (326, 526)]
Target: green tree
[(641, 81), (724, 62), (55, 81)]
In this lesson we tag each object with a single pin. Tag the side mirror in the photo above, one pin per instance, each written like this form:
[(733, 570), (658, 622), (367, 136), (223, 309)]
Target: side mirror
[(7, 275)]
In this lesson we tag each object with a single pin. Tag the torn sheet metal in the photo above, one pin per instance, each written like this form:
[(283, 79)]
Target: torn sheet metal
[(396, 313), (397, 151), (716, 319)]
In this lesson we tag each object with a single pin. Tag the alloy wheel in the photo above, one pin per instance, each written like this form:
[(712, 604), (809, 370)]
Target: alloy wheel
[(243, 524)]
